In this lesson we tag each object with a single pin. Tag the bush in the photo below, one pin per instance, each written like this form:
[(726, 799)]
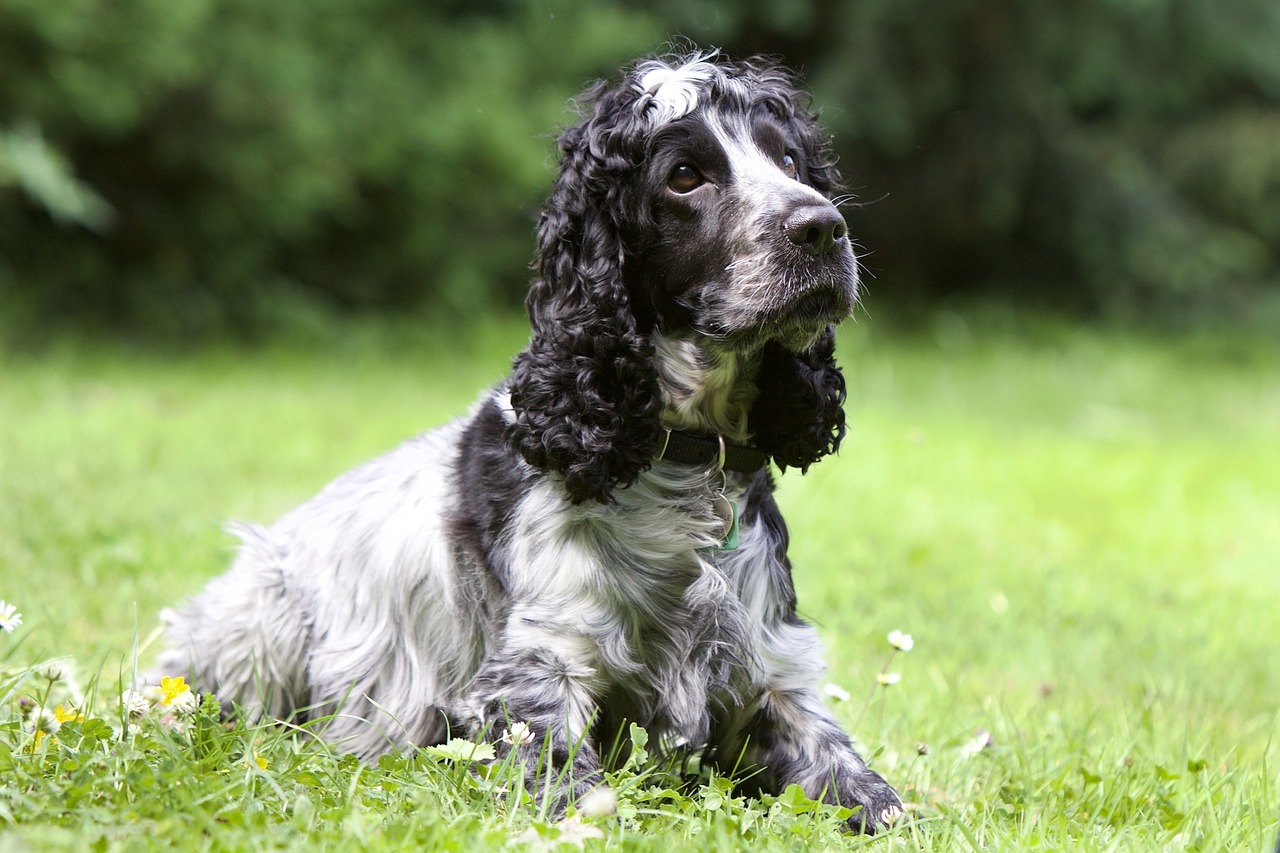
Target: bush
[(1111, 153), (206, 163), (367, 152)]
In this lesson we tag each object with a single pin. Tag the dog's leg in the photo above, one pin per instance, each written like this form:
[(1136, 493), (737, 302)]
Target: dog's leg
[(792, 737), (796, 741), (548, 687), (243, 638)]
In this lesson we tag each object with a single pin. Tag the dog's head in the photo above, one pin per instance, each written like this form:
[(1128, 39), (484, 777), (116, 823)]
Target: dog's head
[(735, 236), (693, 199)]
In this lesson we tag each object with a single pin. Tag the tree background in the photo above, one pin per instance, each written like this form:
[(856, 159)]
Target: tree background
[(188, 166)]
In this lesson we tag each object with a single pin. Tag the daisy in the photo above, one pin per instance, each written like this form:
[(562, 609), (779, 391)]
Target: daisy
[(836, 692), (900, 641), (519, 733), (10, 618), (888, 679)]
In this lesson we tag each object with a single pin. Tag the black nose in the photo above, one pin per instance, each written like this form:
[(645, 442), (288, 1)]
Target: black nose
[(817, 229)]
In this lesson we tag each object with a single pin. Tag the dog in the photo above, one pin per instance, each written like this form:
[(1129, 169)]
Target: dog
[(597, 541)]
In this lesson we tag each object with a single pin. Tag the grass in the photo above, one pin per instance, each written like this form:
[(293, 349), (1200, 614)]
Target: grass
[(1080, 527)]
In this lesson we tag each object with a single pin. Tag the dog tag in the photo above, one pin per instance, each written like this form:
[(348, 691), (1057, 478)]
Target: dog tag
[(729, 515)]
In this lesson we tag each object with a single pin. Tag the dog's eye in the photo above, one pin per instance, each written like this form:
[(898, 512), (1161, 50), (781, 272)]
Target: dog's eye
[(789, 167), (684, 178)]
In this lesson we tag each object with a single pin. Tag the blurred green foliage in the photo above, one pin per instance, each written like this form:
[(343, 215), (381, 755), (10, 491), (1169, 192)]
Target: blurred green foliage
[(376, 152), (1112, 154), (184, 164)]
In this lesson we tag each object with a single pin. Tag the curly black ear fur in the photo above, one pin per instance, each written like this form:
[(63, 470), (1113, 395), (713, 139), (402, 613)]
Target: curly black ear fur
[(821, 172), (585, 393), (798, 416)]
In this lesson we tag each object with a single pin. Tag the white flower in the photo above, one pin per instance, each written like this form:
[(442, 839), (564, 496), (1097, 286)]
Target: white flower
[(888, 679), (836, 692), (568, 831), (43, 722), (185, 704), (574, 831), (10, 618), (54, 671), (980, 741), (900, 641), (136, 706), (518, 733), (598, 802)]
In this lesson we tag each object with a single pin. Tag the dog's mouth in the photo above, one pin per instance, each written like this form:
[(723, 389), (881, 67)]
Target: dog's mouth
[(793, 323), (817, 306)]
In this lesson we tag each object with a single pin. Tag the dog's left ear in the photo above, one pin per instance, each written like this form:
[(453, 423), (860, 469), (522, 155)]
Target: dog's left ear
[(585, 393), (799, 415)]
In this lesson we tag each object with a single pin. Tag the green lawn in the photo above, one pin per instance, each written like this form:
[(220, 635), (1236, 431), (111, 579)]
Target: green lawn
[(1080, 528)]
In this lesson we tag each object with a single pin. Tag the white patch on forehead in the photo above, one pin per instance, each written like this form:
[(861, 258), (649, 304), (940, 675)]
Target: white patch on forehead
[(667, 93), (752, 169)]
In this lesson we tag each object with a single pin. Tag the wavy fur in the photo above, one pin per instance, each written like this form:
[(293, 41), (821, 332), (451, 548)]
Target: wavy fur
[(531, 561), (585, 392)]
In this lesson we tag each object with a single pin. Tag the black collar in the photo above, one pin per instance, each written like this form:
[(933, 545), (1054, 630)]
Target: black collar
[(693, 449)]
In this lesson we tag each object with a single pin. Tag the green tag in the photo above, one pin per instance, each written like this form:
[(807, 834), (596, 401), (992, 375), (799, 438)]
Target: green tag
[(730, 542), (728, 513)]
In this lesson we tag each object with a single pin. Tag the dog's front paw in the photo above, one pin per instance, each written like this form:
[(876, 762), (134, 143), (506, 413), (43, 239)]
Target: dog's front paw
[(555, 775), (557, 789), (878, 804)]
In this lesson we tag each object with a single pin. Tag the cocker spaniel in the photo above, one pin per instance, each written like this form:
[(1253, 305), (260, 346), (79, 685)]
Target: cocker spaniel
[(597, 541)]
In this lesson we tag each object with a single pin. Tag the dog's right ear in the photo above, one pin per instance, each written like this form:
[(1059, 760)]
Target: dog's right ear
[(799, 416), (585, 393)]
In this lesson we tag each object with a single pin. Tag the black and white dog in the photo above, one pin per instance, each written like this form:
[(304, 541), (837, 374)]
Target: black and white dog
[(597, 541)]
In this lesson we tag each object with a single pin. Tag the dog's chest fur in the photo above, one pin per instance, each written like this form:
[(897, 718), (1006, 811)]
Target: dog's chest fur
[(676, 608), (638, 594)]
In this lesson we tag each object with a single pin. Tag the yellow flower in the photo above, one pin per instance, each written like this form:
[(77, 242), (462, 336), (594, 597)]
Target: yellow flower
[(67, 716), (32, 747), (258, 760), (173, 688)]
